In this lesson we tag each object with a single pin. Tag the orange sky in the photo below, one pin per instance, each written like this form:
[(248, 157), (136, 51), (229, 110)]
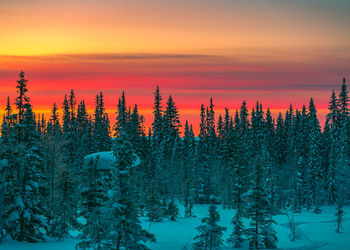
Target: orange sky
[(276, 52)]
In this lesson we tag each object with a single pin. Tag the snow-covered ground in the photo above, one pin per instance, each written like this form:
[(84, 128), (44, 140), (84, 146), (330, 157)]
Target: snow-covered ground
[(317, 230)]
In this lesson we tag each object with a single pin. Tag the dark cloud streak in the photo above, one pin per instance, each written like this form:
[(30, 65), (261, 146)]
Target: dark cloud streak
[(110, 56)]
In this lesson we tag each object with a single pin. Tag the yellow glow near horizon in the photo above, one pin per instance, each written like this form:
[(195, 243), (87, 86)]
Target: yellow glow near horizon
[(41, 27)]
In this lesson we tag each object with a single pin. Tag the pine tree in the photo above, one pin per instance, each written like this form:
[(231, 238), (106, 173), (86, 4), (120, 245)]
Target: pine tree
[(125, 229), (243, 117), (154, 210), (234, 163), (66, 116), (94, 200), (210, 233), (257, 129), (170, 149), (66, 169), (136, 131), (171, 119), (7, 123), (303, 172), (237, 236), (173, 210), (314, 158), (344, 123), (337, 155), (207, 153), (53, 152), (188, 172), (122, 116), (272, 171), (157, 124), (22, 212), (101, 139), (202, 157), (69, 129), (83, 135), (155, 164), (220, 127), (261, 233), (10, 156), (65, 202), (53, 126), (280, 141), (344, 100), (22, 99)]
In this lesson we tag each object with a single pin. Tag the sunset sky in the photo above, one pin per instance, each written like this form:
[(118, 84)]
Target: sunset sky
[(277, 52)]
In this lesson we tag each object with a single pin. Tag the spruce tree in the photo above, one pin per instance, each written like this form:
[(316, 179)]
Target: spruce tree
[(23, 213), (22, 99), (122, 116), (101, 139), (234, 163), (83, 134), (236, 238), (207, 153), (65, 202), (188, 172), (155, 163), (261, 233), (93, 208), (172, 211), (314, 158), (53, 152), (125, 231), (69, 129), (7, 124), (210, 233)]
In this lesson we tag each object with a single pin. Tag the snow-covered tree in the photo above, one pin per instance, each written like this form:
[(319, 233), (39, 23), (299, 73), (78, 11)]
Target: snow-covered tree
[(210, 233), (207, 153), (260, 233), (22, 213), (101, 139), (94, 209), (234, 162), (125, 230), (173, 210), (189, 148), (237, 236), (65, 202), (122, 116)]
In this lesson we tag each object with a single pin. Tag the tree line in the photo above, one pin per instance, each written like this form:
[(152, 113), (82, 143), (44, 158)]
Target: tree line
[(244, 160)]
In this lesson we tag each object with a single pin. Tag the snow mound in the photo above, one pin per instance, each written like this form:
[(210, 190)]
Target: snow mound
[(3, 163), (105, 160)]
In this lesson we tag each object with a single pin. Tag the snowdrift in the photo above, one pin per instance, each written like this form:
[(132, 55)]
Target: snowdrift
[(105, 160)]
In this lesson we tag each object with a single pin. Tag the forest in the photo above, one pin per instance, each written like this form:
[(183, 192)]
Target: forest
[(249, 161)]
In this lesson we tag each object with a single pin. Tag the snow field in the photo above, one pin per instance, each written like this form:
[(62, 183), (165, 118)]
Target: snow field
[(317, 232)]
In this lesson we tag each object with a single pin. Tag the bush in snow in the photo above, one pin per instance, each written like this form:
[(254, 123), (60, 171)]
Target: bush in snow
[(339, 214), (173, 210)]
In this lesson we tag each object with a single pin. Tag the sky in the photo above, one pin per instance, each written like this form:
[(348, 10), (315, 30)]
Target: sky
[(275, 52)]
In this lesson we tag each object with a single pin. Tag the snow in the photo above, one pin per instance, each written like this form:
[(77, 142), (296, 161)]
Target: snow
[(106, 160), (49, 245), (19, 202), (81, 220), (318, 231), (3, 163)]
